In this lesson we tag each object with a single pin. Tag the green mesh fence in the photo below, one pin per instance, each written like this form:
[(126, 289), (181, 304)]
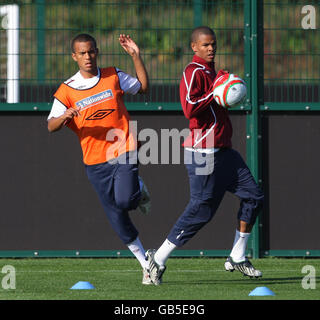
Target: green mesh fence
[(291, 61), (161, 28), (291, 51)]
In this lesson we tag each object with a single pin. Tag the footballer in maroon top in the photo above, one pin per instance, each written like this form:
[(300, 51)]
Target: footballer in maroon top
[(221, 170)]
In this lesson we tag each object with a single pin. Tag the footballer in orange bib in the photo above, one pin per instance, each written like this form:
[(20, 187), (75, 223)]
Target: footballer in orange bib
[(91, 104)]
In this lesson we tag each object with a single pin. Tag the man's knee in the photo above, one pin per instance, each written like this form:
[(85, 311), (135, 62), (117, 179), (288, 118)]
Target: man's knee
[(128, 203)]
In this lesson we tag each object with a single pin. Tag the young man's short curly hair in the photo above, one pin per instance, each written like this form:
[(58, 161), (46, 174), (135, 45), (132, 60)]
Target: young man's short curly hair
[(83, 37)]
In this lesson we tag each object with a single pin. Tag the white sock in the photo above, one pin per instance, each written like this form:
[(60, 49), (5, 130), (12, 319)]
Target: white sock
[(137, 249), (236, 237), (238, 252), (163, 253)]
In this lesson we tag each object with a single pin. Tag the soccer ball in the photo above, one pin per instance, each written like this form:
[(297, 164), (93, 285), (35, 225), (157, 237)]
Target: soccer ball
[(229, 90)]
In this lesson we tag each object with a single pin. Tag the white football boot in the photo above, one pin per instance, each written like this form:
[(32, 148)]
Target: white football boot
[(245, 267), (156, 271)]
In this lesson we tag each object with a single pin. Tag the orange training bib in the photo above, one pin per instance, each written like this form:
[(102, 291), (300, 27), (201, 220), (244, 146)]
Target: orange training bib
[(103, 124)]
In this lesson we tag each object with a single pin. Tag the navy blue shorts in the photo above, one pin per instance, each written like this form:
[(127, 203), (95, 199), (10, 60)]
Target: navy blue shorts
[(117, 185), (210, 176)]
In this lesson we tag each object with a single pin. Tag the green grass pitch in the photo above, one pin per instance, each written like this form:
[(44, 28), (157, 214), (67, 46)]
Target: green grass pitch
[(184, 279)]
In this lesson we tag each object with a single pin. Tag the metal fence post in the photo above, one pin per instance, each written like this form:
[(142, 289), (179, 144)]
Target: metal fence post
[(253, 118), (197, 13), (41, 43)]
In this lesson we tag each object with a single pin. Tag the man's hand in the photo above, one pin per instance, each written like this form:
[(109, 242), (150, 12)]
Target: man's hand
[(133, 50), (55, 124), (70, 113), (129, 45)]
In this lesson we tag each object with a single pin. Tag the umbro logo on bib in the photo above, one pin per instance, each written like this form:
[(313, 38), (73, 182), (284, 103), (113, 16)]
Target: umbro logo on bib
[(100, 114)]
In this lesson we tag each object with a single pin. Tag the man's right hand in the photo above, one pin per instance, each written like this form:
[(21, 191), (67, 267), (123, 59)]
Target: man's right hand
[(55, 124), (70, 113)]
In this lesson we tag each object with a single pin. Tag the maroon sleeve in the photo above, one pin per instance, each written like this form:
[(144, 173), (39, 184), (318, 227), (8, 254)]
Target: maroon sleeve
[(195, 94)]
